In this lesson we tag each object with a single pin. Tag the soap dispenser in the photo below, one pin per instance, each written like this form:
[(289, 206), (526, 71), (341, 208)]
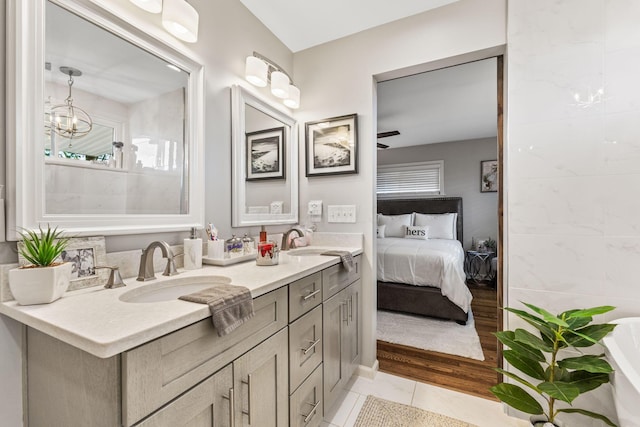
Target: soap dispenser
[(192, 251)]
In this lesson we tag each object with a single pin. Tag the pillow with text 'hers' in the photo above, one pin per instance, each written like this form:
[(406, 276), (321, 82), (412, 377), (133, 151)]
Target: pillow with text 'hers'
[(441, 226), (419, 232), (395, 225)]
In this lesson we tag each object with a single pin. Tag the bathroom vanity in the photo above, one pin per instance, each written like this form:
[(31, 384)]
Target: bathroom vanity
[(169, 367)]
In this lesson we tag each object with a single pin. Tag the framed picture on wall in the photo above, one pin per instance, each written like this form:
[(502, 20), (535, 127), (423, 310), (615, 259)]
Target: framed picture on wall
[(332, 146), (488, 176), (265, 154)]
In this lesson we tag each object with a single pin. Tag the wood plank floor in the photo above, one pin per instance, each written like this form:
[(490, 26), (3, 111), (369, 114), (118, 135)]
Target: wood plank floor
[(457, 373)]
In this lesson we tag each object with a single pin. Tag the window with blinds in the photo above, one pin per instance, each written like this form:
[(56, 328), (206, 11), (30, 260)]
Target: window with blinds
[(410, 180)]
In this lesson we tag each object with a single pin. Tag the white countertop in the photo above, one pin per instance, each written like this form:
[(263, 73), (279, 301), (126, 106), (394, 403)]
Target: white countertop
[(98, 322)]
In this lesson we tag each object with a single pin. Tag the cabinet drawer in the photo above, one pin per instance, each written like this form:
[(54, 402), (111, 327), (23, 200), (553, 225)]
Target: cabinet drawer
[(336, 278), (160, 370), (304, 294), (207, 404), (305, 347), (306, 405)]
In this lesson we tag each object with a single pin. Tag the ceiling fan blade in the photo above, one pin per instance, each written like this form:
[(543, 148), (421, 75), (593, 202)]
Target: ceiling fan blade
[(383, 146), (387, 134)]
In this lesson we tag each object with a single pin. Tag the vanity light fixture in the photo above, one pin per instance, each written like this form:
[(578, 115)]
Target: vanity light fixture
[(68, 120), (151, 6), (261, 71), (180, 19)]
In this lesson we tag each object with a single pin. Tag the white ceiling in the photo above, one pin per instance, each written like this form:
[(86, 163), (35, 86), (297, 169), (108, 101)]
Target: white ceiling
[(451, 104), (301, 24)]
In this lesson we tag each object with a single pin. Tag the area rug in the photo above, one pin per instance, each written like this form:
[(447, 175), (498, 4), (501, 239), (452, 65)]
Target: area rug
[(430, 334), (378, 412)]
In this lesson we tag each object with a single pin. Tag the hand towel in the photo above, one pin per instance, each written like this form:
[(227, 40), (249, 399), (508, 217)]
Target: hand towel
[(230, 305), (345, 257)]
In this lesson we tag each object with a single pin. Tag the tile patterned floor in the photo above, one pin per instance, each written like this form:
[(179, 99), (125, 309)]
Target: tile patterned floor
[(482, 412)]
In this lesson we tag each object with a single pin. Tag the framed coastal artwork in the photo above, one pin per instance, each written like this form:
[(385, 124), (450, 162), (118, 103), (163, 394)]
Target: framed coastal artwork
[(332, 146), (265, 154), (488, 176)]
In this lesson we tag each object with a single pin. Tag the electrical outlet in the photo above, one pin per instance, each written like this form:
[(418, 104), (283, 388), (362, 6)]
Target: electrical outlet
[(315, 208)]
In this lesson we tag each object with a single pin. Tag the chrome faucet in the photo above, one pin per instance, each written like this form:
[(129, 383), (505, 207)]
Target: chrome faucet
[(285, 239), (146, 271)]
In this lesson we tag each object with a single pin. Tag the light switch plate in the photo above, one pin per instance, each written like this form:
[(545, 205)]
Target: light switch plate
[(341, 213)]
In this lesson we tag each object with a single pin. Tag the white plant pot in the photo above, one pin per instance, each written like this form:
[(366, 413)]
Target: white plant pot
[(39, 285), (540, 420)]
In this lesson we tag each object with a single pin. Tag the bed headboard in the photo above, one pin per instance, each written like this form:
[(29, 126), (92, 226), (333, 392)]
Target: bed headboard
[(429, 206)]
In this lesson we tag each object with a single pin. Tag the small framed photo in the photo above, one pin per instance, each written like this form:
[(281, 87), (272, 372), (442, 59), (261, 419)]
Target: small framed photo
[(332, 146), (265, 154), (85, 253), (488, 176)]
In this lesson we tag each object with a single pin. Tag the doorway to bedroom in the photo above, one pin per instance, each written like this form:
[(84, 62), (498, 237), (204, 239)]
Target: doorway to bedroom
[(439, 251)]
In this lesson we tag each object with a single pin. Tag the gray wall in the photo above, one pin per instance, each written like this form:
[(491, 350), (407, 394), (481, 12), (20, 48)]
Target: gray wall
[(461, 179)]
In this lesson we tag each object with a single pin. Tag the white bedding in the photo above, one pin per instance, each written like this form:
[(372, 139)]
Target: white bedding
[(434, 262)]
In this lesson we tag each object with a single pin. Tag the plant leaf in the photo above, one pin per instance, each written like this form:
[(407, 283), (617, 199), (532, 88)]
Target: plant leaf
[(589, 335), (534, 321), (517, 398), (508, 338), (589, 312), (589, 363), (524, 364), (531, 340), (589, 414), (519, 379), (586, 381), (560, 390), (576, 322), (548, 317)]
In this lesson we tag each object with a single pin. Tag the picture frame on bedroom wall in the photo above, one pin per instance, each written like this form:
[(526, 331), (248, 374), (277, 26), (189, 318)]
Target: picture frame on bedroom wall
[(488, 176), (332, 146)]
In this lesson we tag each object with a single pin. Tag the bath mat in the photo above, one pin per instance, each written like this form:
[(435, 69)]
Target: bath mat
[(430, 334), (378, 412)]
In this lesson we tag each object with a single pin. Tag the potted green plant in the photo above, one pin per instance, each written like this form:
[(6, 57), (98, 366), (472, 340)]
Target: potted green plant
[(490, 244), (549, 370), (44, 279)]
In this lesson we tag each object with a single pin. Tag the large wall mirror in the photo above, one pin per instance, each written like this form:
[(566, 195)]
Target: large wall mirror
[(265, 162), (120, 148)]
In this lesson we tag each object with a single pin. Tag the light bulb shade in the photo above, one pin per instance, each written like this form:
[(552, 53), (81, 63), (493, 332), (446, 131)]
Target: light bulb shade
[(152, 6), (293, 100), (279, 84), (255, 71), (69, 121), (180, 19)]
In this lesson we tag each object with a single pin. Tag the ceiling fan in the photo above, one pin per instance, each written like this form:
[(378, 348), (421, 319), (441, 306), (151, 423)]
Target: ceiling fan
[(385, 135)]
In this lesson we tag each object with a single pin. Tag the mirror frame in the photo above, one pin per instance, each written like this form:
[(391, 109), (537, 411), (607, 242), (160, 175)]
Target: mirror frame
[(25, 100), (240, 98)]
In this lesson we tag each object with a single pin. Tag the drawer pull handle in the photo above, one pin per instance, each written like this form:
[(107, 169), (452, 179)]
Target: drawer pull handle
[(351, 308), (232, 404), (345, 314), (308, 349), (248, 411), (312, 412), (310, 295)]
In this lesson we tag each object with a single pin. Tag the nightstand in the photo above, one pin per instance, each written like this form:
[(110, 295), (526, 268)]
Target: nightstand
[(477, 266)]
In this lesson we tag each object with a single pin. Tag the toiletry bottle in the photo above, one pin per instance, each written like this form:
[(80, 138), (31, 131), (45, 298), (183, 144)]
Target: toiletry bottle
[(192, 251), (263, 234), (248, 244)]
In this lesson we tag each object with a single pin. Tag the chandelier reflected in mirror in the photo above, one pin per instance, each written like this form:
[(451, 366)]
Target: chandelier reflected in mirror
[(68, 120)]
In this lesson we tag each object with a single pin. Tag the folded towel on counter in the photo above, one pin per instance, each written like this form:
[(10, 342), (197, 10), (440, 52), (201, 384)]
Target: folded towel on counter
[(230, 305), (345, 257)]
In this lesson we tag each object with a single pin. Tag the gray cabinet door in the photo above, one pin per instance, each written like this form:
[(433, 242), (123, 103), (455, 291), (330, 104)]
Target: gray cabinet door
[(333, 329), (353, 337), (206, 405), (261, 384)]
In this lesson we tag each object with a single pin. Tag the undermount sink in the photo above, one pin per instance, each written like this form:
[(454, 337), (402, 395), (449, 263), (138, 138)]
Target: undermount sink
[(306, 251), (171, 289)]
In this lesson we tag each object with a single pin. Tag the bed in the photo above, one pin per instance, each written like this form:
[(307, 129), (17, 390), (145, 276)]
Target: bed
[(431, 286)]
